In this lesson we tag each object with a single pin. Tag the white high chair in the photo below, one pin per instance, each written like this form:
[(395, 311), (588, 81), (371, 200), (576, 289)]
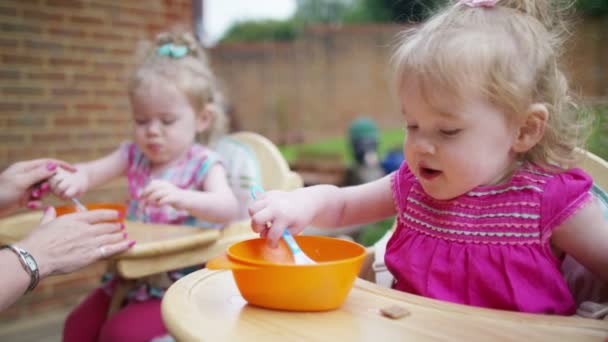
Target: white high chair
[(374, 268)]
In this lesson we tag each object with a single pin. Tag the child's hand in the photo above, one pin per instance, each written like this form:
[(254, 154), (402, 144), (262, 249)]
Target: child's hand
[(160, 193), (275, 211), (68, 185)]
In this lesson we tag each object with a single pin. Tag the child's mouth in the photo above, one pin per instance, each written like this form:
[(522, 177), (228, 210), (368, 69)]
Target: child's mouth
[(428, 173)]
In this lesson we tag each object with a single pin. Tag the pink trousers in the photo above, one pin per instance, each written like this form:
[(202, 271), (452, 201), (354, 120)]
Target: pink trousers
[(138, 321)]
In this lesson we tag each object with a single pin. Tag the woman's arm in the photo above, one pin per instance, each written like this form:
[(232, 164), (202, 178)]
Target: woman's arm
[(62, 245), (584, 236)]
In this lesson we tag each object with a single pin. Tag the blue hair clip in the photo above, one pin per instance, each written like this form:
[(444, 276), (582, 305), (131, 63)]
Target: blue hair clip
[(173, 51)]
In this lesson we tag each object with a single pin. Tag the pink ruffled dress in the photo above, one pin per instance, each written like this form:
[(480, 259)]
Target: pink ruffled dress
[(489, 247)]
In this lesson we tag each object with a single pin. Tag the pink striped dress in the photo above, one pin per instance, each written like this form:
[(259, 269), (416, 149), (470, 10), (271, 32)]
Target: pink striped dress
[(489, 247), (187, 173)]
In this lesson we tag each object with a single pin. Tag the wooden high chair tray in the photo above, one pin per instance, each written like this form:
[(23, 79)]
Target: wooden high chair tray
[(206, 306)]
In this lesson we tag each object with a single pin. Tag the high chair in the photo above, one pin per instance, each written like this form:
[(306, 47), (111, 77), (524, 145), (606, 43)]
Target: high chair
[(375, 270), (250, 158)]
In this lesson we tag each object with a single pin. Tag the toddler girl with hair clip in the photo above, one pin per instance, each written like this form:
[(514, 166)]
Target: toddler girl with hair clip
[(487, 202), (171, 179)]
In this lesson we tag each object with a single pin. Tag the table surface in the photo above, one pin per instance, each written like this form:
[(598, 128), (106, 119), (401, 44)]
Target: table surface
[(206, 305)]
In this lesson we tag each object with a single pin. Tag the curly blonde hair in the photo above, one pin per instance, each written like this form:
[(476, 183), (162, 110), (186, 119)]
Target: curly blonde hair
[(509, 53), (191, 74)]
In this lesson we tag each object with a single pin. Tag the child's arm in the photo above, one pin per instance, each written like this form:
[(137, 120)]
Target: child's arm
[(323, 206), (585, 237), (216, 203), (89, 175)]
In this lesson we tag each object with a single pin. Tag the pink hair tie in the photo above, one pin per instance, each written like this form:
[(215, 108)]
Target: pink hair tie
[(479, 3)]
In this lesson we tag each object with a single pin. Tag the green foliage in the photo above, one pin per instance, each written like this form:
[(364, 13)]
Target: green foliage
[(594, 7), (598, 141), (251, 31), (322, 11), (339, 146), (371, 233), (391, 10)]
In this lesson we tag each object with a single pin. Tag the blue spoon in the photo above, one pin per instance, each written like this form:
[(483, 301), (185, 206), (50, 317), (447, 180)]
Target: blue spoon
[(299, 257)]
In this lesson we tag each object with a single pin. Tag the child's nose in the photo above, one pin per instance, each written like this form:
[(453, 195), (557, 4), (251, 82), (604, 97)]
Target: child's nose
[(424, 146), (153, 127)]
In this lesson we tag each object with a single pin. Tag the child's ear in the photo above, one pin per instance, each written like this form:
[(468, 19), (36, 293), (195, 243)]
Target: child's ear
[(204, 118), (531, 128)]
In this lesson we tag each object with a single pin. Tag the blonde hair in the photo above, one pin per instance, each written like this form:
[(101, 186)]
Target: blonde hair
[(191, 74), (509, 53)]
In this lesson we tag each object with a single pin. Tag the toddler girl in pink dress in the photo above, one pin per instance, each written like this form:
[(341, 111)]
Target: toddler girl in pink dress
[(487, 202), (171, 178)]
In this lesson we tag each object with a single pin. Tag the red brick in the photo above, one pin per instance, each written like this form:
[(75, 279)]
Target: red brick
[(9, 138), (89, 78), (10, 107), (42, 15), (91, 107), (63, 62), (88, 49), (46, 108), (27, 121), (46, 76), (72, 4), (26, 91), (8, 11), (122, 52), (69, 33), (8, 42), (125, 24), (71, 121), (68, 92), (44, 45), (113, 66), (21, 60), (29, 152), (9, 75), (19, 28), (87, 20), (104, 36), (50, 137), (111, 93)]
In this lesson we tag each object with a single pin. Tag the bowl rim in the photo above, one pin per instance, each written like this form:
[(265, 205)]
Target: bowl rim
[(248, 261)]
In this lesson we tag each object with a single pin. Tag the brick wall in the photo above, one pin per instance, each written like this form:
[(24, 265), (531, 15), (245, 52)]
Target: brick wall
[(315, 86), (62, 94)]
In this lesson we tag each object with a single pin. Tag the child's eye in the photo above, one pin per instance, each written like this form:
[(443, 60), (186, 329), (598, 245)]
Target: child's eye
[(412, 127), (168, 121), (450, 132), (141, 121)]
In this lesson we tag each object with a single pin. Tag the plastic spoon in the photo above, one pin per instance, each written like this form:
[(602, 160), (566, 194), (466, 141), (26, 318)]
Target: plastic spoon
[(299, 257), (78, 204)]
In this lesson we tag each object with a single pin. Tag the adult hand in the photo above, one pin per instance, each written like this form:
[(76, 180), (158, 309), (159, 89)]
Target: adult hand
[(160, 193), (69, 242), (23, 183)]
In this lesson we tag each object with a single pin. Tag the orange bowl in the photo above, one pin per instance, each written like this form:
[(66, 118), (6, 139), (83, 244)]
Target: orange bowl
[(286, 286), (68, 209)]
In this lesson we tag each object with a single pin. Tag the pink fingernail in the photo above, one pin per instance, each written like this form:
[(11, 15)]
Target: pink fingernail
[(32, 205), (51, 166), (36, 193), (131, 243), (45, 187), (122, 226), (124, 235)]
